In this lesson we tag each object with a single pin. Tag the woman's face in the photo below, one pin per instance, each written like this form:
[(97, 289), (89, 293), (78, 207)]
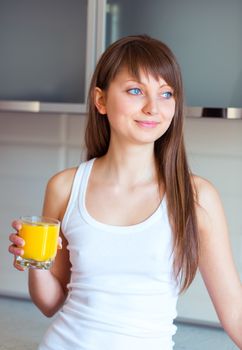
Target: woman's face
[(138, 111)]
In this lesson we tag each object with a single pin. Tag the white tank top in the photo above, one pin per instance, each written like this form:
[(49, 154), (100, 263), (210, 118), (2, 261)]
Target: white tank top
[(122, 294)]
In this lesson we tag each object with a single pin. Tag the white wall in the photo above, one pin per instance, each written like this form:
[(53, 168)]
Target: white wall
[(215, 152), (33, 147)]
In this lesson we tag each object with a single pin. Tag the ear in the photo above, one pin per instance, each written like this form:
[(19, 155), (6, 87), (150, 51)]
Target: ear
[(100, 100)]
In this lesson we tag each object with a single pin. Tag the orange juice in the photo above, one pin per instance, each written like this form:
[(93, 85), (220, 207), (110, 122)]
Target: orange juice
[(41, 237), (40, 241)]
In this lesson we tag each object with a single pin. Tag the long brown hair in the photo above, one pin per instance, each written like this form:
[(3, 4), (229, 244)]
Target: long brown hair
[(137, 53)]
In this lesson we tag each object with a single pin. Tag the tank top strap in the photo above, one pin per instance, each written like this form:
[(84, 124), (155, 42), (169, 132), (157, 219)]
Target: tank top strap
[(80, 176)]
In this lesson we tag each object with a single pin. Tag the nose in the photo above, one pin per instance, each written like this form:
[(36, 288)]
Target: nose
[(150, 107)]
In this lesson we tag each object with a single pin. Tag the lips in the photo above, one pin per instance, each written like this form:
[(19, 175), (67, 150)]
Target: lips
[(147, 123)]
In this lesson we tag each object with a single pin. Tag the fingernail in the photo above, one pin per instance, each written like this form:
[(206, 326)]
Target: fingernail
[(20, 243), (20, 252)]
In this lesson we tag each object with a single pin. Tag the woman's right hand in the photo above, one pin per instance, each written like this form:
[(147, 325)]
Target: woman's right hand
[(17, 243)]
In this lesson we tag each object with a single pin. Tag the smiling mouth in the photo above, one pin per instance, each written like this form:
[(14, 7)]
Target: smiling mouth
[(147, 123)]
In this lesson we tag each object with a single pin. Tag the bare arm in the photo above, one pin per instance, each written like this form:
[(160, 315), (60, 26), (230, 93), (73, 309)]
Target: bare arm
[(216, 262), (48, 289)]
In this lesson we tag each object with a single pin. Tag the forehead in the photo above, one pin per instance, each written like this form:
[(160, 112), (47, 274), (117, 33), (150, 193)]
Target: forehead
[(141, 76)]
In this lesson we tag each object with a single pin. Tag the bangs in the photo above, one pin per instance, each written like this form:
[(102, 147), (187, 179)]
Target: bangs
[(140, 54), (149, 60)]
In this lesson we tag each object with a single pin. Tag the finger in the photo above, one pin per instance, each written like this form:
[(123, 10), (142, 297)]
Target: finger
[(15, 250), (59, 244), (16, 240), (17, 266), (17, 224)]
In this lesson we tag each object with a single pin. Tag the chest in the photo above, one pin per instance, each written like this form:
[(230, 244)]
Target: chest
[(103, 250), (119, 206)]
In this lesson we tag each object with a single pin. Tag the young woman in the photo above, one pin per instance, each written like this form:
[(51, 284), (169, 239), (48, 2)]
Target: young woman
[(136, 224)]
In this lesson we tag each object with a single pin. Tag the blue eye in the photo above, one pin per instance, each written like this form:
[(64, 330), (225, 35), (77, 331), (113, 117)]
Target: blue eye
[(167, 94), (135, 91)]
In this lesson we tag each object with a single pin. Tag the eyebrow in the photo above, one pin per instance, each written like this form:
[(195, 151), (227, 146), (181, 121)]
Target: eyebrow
[(140, 82)]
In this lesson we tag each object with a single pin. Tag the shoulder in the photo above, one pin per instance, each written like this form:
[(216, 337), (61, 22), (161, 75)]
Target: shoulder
[(62, 179), (58, 192), (207, 201), (205, 191)]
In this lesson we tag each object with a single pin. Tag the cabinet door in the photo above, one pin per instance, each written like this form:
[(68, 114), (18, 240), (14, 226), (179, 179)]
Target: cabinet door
[(43, 45), (204, 35), (47, 54)]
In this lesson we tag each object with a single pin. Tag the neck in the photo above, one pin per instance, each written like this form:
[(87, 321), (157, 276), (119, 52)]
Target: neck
[(130, 165)]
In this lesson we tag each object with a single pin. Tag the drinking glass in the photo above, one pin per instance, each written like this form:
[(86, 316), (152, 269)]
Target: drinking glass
[(41, 238)]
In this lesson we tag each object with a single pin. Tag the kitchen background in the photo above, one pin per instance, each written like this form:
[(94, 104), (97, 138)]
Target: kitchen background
[(48, 51)]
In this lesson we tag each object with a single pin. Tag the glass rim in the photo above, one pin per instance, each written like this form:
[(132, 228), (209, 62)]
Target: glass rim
[(43, 220)]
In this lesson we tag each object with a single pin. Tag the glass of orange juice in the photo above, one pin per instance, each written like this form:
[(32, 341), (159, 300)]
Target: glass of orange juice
[(41, 238)]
